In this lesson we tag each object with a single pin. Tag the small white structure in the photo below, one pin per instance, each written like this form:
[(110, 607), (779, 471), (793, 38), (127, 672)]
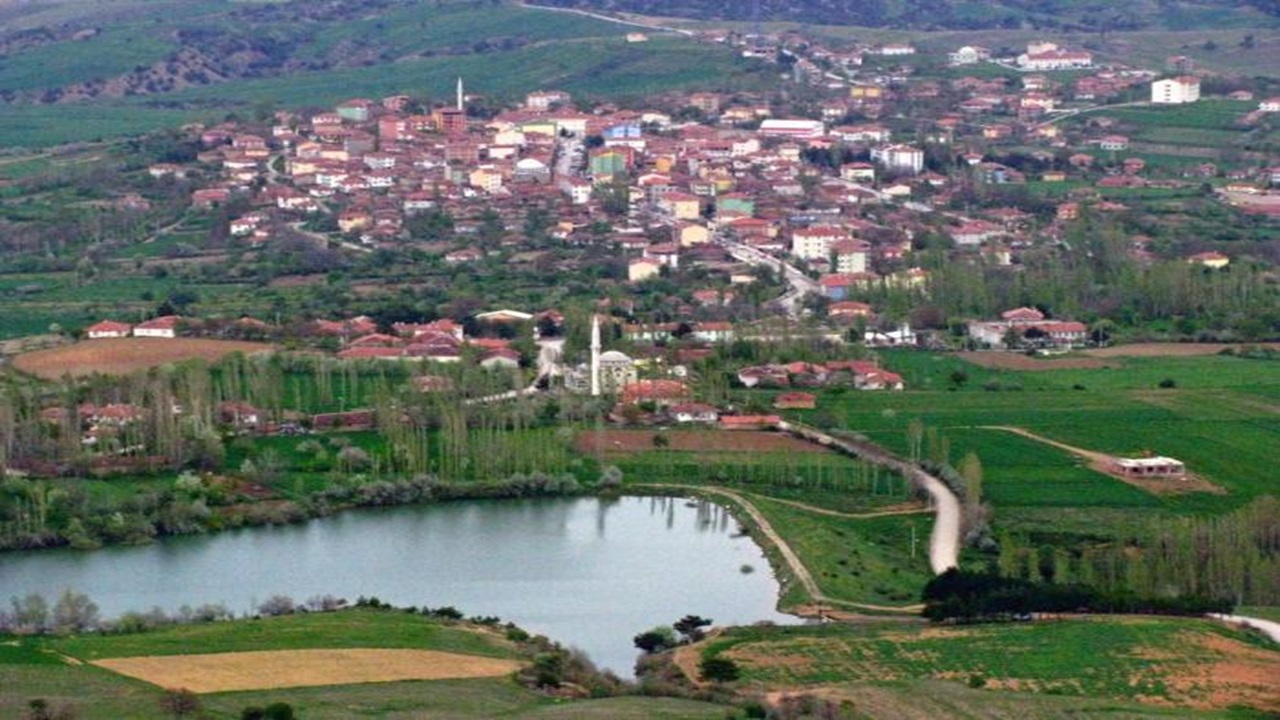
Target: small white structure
[(1158, 466), (1176, 91), (804, 129)]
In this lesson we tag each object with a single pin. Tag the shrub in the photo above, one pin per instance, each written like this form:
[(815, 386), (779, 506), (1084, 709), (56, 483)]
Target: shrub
[(719, 670)]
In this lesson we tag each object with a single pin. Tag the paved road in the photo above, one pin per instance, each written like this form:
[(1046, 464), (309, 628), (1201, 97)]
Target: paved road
[(800, 283)]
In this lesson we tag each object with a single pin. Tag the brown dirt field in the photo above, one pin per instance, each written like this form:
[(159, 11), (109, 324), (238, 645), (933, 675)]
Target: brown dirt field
[(625, 442), (120, 356), (268, 670), (1017, 361), (1229, 672), (1168, 349)]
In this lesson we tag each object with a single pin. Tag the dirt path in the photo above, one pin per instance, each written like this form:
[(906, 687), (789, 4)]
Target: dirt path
[(852, 516), (1270, 628), (789, 556), (1102, 463), (1090, 455), (944, 543)]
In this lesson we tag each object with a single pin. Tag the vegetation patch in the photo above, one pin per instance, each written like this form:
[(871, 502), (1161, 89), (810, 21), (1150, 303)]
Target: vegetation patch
[(1139, 658), (122, 356), (225, 672), (626, 442)]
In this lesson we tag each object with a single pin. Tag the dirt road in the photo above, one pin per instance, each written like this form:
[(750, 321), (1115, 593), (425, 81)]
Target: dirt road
[(944, 544), (789, 556)]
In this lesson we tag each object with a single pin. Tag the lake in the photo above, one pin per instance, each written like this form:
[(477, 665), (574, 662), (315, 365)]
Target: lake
[(588, 572)]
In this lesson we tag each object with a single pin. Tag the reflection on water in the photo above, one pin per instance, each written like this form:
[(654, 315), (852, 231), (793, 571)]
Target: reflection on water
[(588, 572)]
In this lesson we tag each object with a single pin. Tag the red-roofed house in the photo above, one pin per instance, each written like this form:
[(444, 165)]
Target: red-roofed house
[(161, 327), (108, 329)]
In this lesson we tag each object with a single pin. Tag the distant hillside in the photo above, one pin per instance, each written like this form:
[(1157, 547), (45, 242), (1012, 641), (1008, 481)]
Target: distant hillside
[(1064, 15), (89, 69)]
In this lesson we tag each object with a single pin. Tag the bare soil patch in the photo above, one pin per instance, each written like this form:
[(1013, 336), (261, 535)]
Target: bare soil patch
[(267, 670), (626, 442), (1228, 672), (120, 356), (1018, 361)]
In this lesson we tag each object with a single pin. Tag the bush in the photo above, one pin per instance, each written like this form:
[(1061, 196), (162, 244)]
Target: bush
[(719, 670), (276, 605), (1167, 383)]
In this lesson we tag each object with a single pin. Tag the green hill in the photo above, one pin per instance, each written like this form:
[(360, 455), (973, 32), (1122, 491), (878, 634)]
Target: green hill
[(1058, 15), (73, 71)]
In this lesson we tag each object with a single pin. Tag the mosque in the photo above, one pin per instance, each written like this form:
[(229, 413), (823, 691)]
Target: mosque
[(606, 374)]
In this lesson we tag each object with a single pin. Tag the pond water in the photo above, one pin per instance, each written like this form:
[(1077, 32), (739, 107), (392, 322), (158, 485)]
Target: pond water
[(588, 572)]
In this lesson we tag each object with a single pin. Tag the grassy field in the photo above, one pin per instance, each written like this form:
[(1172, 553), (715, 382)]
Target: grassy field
[(1120, 659), (1220, 417), (33, 668), (422, 48), (864, 560)]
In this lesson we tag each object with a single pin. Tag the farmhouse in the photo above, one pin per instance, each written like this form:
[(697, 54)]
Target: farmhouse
[(1158, 466), (108, 329), (161, 327)]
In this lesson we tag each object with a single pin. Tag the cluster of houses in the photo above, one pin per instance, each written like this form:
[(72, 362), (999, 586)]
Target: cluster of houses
[(161, 327), (859, 374), (1027, 327), (740, 173)]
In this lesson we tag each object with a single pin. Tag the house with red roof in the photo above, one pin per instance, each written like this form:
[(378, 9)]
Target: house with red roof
[(108, 329), (161, 327)]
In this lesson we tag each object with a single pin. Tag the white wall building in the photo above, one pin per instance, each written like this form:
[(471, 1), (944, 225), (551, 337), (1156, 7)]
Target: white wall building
[(901, 158), (1175, 91)]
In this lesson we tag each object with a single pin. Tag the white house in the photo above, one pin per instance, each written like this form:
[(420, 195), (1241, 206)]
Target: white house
[(1041, 56), (902, 158), (1176, 91), (814, 243), (108, 329), (161, 327)]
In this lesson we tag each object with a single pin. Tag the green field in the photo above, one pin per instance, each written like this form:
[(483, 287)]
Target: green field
[(1122, 660), (1220, 418), (866, 560), (31, 668), (422, 48)]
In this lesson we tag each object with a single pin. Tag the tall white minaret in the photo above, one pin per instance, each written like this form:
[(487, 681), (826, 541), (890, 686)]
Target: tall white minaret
[(461, 97), (595, 355)]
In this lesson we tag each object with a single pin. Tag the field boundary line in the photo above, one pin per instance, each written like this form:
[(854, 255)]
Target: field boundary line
[(789, 556)]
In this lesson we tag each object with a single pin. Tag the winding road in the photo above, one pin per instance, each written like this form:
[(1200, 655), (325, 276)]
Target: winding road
[(944, 543), (789, 556)]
